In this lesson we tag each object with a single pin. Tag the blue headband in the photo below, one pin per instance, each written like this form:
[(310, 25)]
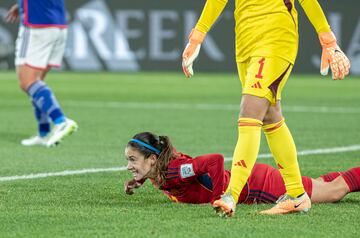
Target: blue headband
[(146, 145)]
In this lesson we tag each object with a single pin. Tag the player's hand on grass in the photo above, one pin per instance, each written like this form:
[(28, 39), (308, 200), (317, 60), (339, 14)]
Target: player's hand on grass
[(333, 57), (130, 186), (191, 51), (12, 15)]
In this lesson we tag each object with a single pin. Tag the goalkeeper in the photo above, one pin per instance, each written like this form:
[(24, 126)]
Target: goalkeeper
[(266, 34)]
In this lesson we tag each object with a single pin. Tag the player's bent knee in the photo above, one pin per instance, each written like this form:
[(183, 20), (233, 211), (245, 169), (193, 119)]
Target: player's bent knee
[(27, 76), (24, 84), (271, 119), (273, 115), (253, 107)]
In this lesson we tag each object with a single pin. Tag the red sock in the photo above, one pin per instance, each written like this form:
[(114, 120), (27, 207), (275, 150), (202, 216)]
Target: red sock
[(331, 176), (352, 178)]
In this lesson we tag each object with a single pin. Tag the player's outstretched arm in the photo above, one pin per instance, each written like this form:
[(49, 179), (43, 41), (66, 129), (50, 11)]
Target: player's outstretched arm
[(13, 14), (332, 56), (210, 13)]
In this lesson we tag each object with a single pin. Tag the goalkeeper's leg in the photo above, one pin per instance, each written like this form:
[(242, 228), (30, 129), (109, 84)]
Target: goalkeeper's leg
[(283, 148), (253, 110)]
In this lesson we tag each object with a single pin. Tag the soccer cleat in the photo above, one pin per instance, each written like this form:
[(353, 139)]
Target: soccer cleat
[(225, 206), (287, 204), (60, 131), (34, 140)]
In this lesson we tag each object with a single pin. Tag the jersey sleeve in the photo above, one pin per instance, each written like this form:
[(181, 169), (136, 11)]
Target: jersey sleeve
[(210, 13), (211, 164), (316, 15)]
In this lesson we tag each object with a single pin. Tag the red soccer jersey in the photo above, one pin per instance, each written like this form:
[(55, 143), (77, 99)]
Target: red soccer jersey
[(195, 180), (203, 179)]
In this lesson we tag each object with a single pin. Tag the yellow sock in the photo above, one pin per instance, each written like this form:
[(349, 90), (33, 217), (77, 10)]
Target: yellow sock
[(245, 154), (283, 148)]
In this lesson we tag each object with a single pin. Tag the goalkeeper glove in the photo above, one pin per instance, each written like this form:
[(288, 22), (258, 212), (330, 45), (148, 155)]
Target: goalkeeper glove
[(191, 51), (333, 56)]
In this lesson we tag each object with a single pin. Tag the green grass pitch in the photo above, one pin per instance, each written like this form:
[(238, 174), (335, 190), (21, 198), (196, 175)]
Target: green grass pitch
[(199, 115)]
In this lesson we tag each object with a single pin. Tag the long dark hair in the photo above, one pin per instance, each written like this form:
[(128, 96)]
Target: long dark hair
[(161, 143)]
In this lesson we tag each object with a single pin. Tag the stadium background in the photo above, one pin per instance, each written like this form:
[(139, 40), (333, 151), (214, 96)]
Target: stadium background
[(150, 35)]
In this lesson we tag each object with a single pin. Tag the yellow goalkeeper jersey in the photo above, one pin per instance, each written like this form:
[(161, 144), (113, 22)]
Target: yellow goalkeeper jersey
[(265, 27)]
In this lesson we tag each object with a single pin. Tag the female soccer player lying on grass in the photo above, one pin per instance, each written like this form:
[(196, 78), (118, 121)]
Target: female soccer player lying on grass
[(203, 179)]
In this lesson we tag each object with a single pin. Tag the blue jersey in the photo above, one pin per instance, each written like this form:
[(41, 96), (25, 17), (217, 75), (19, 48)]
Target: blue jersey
[(43, 13)]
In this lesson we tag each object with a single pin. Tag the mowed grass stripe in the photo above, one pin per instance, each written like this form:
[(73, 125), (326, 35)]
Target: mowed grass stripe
[(116, 169), (94, 204), (192, 106)]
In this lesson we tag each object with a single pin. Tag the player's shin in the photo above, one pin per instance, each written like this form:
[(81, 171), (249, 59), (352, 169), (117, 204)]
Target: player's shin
[(283, 148), (245, 154), (43, 121), (46, 101)]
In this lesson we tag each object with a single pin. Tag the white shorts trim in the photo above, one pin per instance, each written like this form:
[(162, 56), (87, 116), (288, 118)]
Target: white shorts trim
[(40, 47)]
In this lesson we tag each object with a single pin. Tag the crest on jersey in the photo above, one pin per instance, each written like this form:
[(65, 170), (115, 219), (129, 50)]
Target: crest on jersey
[(186, 170)]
